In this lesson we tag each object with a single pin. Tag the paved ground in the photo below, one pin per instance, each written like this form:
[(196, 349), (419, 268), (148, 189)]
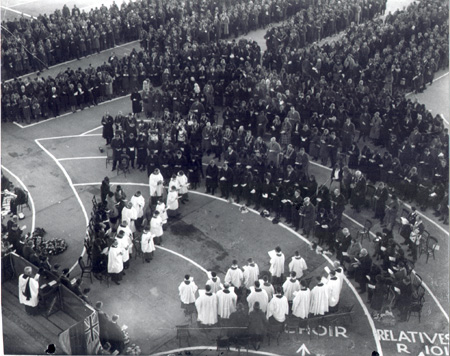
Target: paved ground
[(211, 233)]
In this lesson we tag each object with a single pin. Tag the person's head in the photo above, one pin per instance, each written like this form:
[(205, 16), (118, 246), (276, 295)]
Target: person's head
[(115, 318), (99, 305), (257, 284), (293, 274), (187, 277), (27, 271), (208, 288), (278, 249), (256, 306)]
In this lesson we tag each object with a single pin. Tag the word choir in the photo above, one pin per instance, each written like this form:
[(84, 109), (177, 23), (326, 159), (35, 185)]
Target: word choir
[(331, 331), (436, 344)]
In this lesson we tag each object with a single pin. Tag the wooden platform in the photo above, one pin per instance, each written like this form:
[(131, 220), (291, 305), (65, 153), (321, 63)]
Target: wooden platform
[(24, 334)]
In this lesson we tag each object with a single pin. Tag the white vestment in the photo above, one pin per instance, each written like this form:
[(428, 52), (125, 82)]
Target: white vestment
[(301, 303), (269, 288), (156, 226), (172, 200), (129, 215), (187, 291), (234, 276), (182, 183), (155, 188), (334, 291), (258, 296), (226, 303), (127, 244), (206, 306), (214, 283), (278, 308), (147, 244), (297, 265), (319, 300), (340, 275), (34, 291), (277, 265), (138, 205), (251, 274), (161, 207), (290, 287), (115, 259)]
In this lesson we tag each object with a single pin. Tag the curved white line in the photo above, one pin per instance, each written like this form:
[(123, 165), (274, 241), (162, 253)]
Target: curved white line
[(30, 198), (210, 348), (88, 132), (183, 257)]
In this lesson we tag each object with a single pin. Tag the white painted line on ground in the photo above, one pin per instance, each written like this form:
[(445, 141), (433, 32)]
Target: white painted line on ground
[(423, 283), (183, 257), (77, 158), (17, 124), (24, 3), (69, 136), (17, 12), (320, 165), (30, 198), (88, 132), (43, 121), (211, 348)]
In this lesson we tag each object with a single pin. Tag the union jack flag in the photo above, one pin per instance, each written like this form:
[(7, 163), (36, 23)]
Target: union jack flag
[(91, 329)]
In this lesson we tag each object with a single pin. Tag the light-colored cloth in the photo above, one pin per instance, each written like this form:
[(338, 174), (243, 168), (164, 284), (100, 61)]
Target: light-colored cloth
[(156, 226), (226, 303), (187, 290), (126, 242), (183, 184), (147, 243), (290, 286), (115, 259), (234, 276), (34, 290), (277, 265), (161, 207), (130, 215), (155, 182), (206, 306), (172, 200), (215, 284), (268, 288), (301, 303), (334, 291), (298, 265), (340, 276), (251, 275), (319, 300), (138, 205), (258, 295), (278, 308)]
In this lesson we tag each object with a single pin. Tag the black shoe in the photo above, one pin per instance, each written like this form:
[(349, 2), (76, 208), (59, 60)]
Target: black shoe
[(118, 283)]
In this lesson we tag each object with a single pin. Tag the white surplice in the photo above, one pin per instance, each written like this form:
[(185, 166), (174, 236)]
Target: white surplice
[(226, 303), (206, 306), (301, 303), (319, 300)]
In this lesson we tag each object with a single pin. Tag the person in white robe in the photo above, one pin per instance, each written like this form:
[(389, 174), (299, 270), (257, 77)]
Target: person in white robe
[(298, 265), (172, 201), (206, 305), (155, 182), (161, 207), (214, 282), (290, 286), (319, 299), (129, 214), (251, 273), (267, 286), (183, 184), (138, 202), (29, 291), (156, 227), (258, 295), (339, 272), (115, 262), (235, 277), (302, 301), (277, 266), (147, 244), (174, 182), (187, 290), (125, 241), (334, 291), (278, 308), (226, 302)]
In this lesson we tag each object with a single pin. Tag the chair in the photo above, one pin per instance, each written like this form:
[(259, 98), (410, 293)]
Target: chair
[(365, 232), (94, 204), (347, 310), (417, 303), (274, 331), (109, 155), (124, 166), (240, 342), (88, 248), (292, 325), (84, 269), (183, 333), (223, 344), (431, 246), (370, 192)]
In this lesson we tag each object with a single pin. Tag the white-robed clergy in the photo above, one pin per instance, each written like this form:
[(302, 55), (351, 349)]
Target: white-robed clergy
[(267, 286), (147, 244), (155, 182), (302, 301), (29, 291), (258, 295), (156, 227), (214, 282), (183, 185), (251, 273), (277, 265), (226, 301), (187, 290), (278, 307), (234, 275), (206, 305), (125, 241), (115, 261), (290, 286), (334, 291), (138, 202), (297, 265), (339, 272), (172, 201), (319, 299), (161, 207), (129, 214)]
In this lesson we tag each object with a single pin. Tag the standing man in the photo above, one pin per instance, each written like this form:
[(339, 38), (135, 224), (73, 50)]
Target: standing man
[(105, 189), (319, 298), (251, 273), (278, 308), (226, 302), (290, 287), (257, 324), (226, 180), (129, 214), (115, 262), (155, 181), (277, 266), (235, 277), (108, 127), (334, 291), (358, 191), (117, 144), (172, 202), (138, 203), (156, 227), (338, 205), (206, 306), (147, 244), (302, 301), (258, 295), (29, 291), (212, 174), (214, 282), (298, 265), (187, 290)]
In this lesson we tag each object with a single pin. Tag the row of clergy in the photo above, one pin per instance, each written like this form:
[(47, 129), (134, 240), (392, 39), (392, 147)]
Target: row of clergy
[(220, 299)]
